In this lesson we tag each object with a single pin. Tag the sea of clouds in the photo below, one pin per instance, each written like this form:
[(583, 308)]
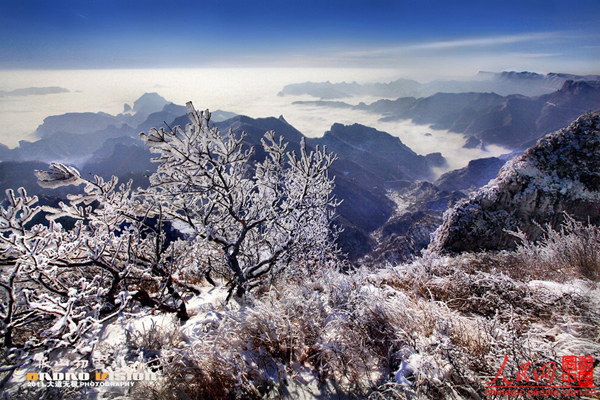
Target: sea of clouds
[(248, 91)]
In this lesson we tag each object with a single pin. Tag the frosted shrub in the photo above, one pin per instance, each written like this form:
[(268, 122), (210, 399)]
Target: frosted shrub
[(432, 329), (258, 218), (575, 247), (59, 284), (479, 317)]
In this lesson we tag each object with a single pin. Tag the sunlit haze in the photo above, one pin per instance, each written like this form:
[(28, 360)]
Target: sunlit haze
[(248, 91), (237, 55)]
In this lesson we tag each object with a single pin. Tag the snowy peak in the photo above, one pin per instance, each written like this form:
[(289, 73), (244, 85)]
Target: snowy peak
[(561, 173)]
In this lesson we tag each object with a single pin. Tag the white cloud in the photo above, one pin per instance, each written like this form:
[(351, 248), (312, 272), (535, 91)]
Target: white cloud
[(536, 55), (457, 44)]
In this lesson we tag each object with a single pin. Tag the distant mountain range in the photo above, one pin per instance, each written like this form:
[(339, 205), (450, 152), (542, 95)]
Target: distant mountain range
[(504, 84), (105, 145), (391, 202), (514, 121), (34, 91), (74, 137), (369, 160)]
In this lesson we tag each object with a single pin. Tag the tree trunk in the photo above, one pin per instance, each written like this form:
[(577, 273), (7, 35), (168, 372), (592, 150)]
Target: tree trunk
[(239, 275)]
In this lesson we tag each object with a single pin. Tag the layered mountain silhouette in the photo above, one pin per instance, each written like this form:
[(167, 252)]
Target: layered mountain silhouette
[(77, 123), (34, 91), (370, 161), (75, 137), (504, 83), (391, 204), (514, 121), (378, 152)]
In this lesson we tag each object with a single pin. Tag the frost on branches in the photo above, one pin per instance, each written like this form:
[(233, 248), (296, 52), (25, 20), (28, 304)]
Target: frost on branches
[(247, 220), (261, 218)]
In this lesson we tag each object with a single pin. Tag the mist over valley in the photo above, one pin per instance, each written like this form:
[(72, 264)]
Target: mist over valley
[(391, 149)]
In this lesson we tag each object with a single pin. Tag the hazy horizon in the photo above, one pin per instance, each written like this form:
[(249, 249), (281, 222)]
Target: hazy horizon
[(252, 92), (236, 55)]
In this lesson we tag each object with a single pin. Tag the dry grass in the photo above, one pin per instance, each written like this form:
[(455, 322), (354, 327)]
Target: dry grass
[(452, 318), (151, 339), (573, 250), (199, 372)]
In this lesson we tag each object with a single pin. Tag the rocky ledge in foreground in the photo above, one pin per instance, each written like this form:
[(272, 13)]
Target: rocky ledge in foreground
[(561, 173)]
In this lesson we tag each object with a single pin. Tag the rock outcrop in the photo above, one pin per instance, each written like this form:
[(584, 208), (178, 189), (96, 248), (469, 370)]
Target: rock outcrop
[(561, 173)]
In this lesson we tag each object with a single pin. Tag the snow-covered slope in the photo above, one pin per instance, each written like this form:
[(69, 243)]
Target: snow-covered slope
[(561, 173)]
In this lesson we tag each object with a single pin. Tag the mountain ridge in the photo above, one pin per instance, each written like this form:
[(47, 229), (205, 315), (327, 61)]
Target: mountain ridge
[(503, 83), (513, 121), (559, 174)]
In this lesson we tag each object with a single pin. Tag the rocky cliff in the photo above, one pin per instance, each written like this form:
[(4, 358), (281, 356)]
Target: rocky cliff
[(561, 173)]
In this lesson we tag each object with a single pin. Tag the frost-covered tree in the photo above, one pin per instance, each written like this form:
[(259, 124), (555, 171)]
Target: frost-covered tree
[(255, 219), (56, 284), (262, 217), (63, 282)]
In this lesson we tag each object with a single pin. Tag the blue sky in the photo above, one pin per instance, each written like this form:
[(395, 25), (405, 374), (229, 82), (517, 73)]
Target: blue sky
[(85, 34)]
